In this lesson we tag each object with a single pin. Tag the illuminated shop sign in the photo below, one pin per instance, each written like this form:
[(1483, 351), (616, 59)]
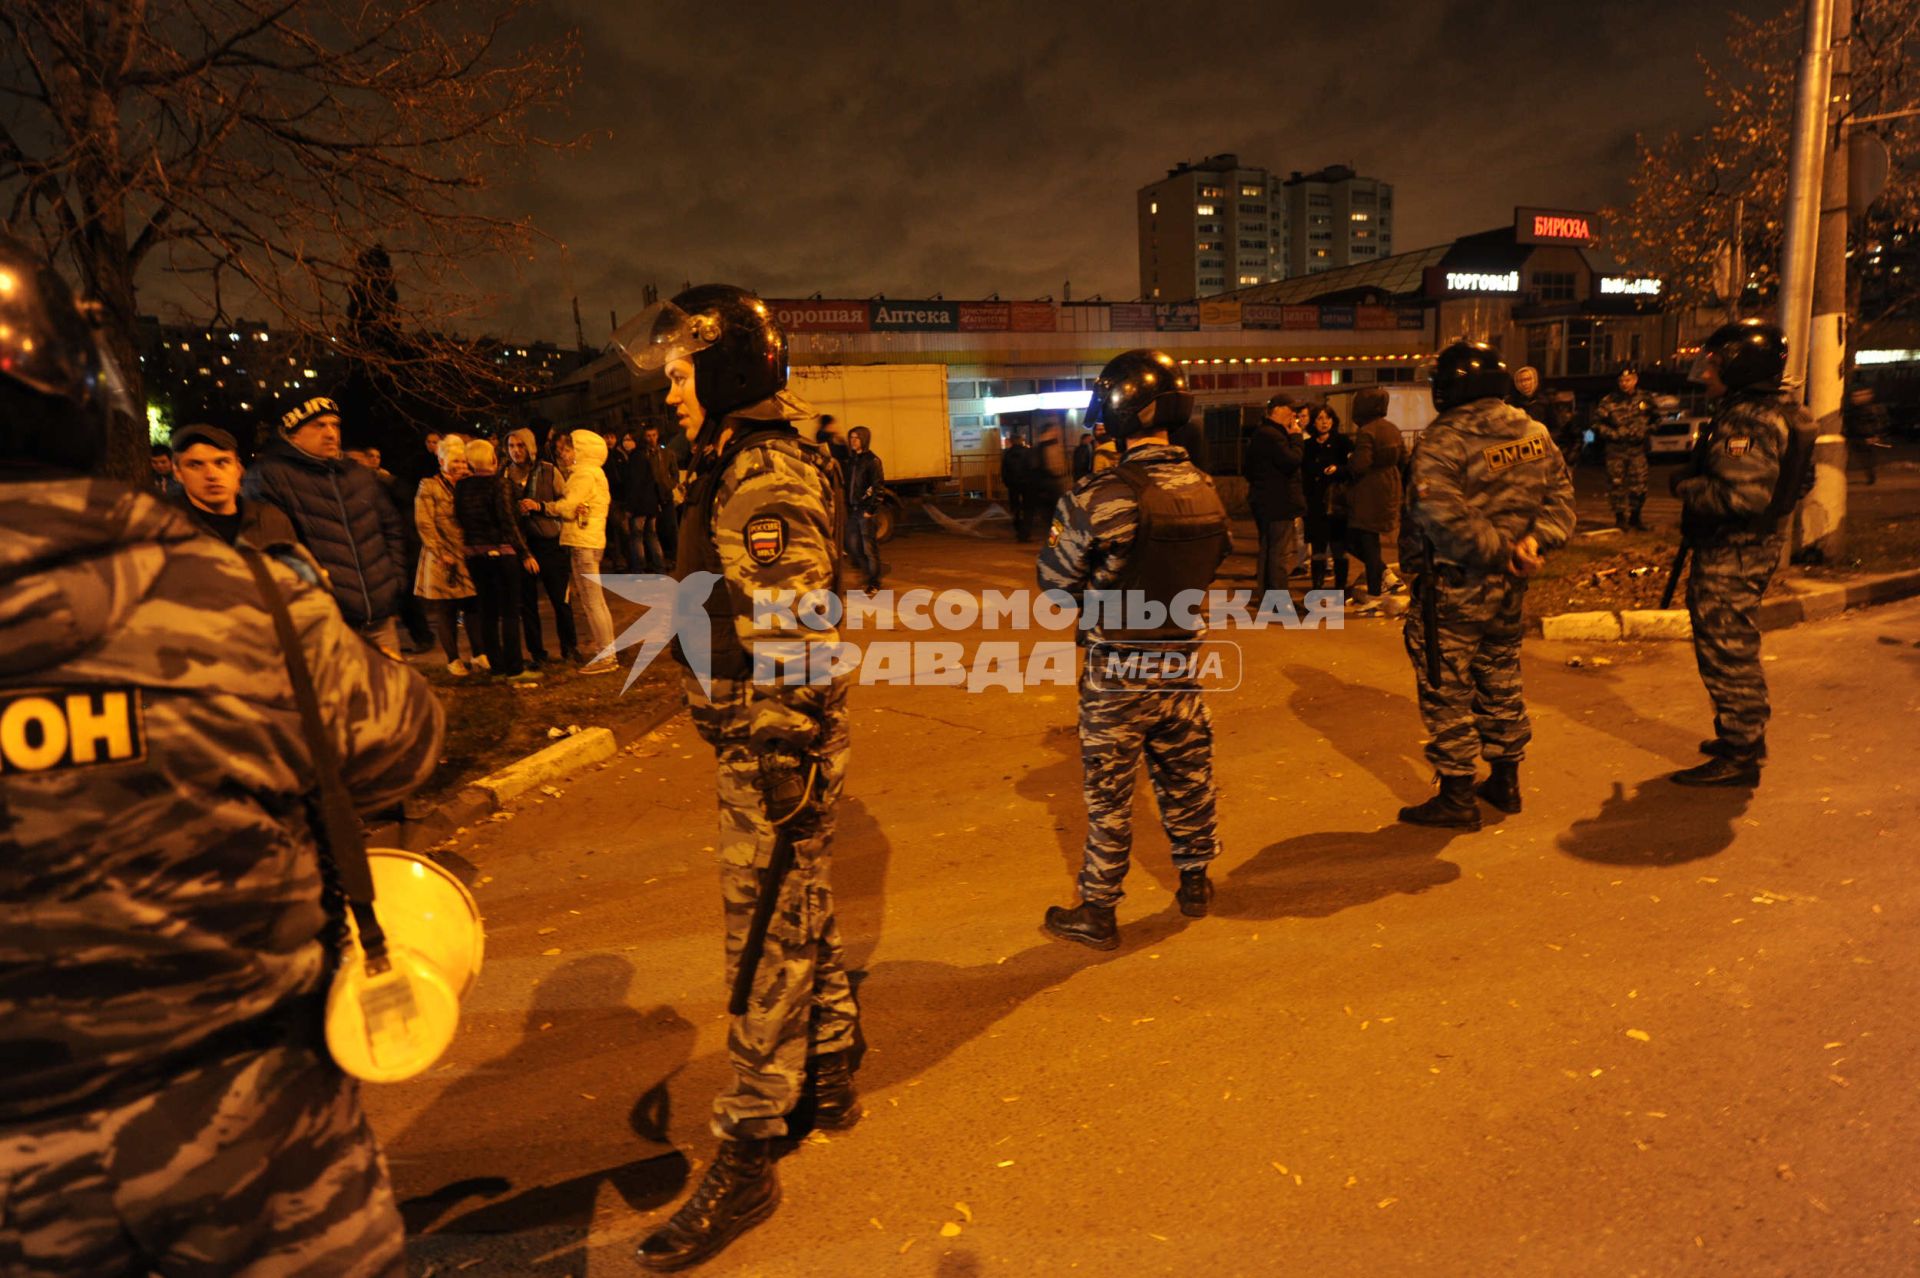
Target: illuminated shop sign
[(1555, 226), (1480, 282), (1628, 286)]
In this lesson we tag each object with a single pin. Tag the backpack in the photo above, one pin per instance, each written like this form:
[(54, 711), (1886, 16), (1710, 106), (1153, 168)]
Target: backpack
[(1178, 543)]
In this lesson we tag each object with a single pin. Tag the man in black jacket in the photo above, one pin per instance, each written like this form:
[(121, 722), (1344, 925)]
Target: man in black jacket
[(1273, 490), (866, 481), (1016, 474), (342, 515)]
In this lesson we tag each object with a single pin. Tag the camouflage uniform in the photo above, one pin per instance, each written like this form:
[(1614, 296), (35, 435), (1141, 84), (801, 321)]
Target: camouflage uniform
[(1087, 548), (1729, 484), (768, 518), (1623, 421), (165, 1104), (1483, 476)]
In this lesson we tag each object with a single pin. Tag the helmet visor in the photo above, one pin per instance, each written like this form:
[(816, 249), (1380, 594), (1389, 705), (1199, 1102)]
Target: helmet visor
[(1698, 372), (663, 333), (110, 387)]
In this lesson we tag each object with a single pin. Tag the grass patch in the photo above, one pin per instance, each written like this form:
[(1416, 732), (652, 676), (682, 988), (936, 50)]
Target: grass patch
[(1603, 574), (491, 723)]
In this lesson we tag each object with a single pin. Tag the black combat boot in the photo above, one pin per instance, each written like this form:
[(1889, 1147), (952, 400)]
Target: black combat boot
[(1633, 520), (1452, 808), (1087, 923), (1502, 788), (1318, 573), (1196, 891), (1620, 520), (835, 1105), (1721, 750), (1722, 770), (737, 1193)]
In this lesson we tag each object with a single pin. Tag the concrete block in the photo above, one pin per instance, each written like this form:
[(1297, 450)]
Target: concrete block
[(1656, 623), (1581, 625), (1817, 605), (567, 755), (1883, 589)]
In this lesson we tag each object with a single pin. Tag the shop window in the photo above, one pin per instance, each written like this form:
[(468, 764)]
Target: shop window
[(1553, 286)]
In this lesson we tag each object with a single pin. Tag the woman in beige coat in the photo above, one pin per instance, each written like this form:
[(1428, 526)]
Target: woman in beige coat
[(442, 579)]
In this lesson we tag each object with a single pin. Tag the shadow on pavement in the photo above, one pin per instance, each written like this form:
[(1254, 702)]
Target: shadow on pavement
[(605, 1068), (1349, 716), (1592, 700), (1057, 784), (921, 1011), (1315, 875), (1659, 824)]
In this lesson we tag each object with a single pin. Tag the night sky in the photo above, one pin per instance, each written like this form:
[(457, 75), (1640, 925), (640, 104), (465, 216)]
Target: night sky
[(966, 148)]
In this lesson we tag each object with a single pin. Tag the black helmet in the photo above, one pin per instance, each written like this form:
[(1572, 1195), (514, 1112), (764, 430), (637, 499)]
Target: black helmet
[(58, 388), (739, 354), (1751, 353), (1139, 390), (1467, 371)]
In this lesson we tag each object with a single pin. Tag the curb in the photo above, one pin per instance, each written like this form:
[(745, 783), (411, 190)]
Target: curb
[(1815, 604), (477, 799)]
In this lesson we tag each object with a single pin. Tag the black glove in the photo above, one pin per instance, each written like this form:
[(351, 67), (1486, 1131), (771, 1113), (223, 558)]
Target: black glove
[(785, 785)]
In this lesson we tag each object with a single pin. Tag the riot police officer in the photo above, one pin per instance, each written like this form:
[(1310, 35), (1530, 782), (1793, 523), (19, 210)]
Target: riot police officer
[(1488, 498), (167, 1104), (1095, 552), (765, 515), (1748, 470), (1623, 420)]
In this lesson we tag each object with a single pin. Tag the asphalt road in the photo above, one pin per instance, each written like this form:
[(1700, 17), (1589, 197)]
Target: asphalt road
[(1633, 1030)]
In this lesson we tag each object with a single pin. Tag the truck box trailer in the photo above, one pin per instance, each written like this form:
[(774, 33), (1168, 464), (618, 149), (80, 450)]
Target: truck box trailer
[(903, 405)]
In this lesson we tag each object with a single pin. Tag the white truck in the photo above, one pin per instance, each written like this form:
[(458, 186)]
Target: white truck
[(905, 408)]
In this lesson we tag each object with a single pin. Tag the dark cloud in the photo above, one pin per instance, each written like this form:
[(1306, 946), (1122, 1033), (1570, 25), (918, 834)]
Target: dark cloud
[(914, 148)]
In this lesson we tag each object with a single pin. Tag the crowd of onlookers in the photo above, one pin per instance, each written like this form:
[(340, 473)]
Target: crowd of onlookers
[(497, 526)]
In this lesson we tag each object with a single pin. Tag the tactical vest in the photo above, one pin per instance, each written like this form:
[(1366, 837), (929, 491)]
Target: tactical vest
[(699, 550), (1179, 540)]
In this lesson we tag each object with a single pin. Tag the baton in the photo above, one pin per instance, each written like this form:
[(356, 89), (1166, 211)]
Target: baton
[(1430, 618), (778, 867), (1673, 575)]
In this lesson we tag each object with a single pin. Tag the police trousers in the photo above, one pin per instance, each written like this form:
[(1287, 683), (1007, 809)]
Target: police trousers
[(1475, 709), (261, 1166)]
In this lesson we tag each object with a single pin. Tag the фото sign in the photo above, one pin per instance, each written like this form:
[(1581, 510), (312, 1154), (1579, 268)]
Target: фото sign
[(1555, 226)]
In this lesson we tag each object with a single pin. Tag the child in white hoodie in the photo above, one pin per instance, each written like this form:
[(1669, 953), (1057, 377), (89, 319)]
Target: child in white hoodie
[(581, 509)]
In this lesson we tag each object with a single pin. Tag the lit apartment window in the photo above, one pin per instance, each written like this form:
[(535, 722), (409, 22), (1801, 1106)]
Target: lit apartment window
[(1249, 191), (1359, 217), (1249, 279), (1205, 210), (1213, 192), (1153, 206), (1320, 252)]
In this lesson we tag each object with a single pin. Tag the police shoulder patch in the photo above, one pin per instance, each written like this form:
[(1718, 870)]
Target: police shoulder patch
[(1054, 531), (57, 730), (1506, 456), (1737, 445), (766, 538)]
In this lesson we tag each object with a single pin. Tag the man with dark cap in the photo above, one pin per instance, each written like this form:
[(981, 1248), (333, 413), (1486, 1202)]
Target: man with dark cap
[(166, 1106), (206, 461), (343, 516), (1747, 472), (1096, 555), (1274, 491), (1488, 497)]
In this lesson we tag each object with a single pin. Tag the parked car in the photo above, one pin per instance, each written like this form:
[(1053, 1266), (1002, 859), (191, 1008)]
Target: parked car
[(1675, 431)]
